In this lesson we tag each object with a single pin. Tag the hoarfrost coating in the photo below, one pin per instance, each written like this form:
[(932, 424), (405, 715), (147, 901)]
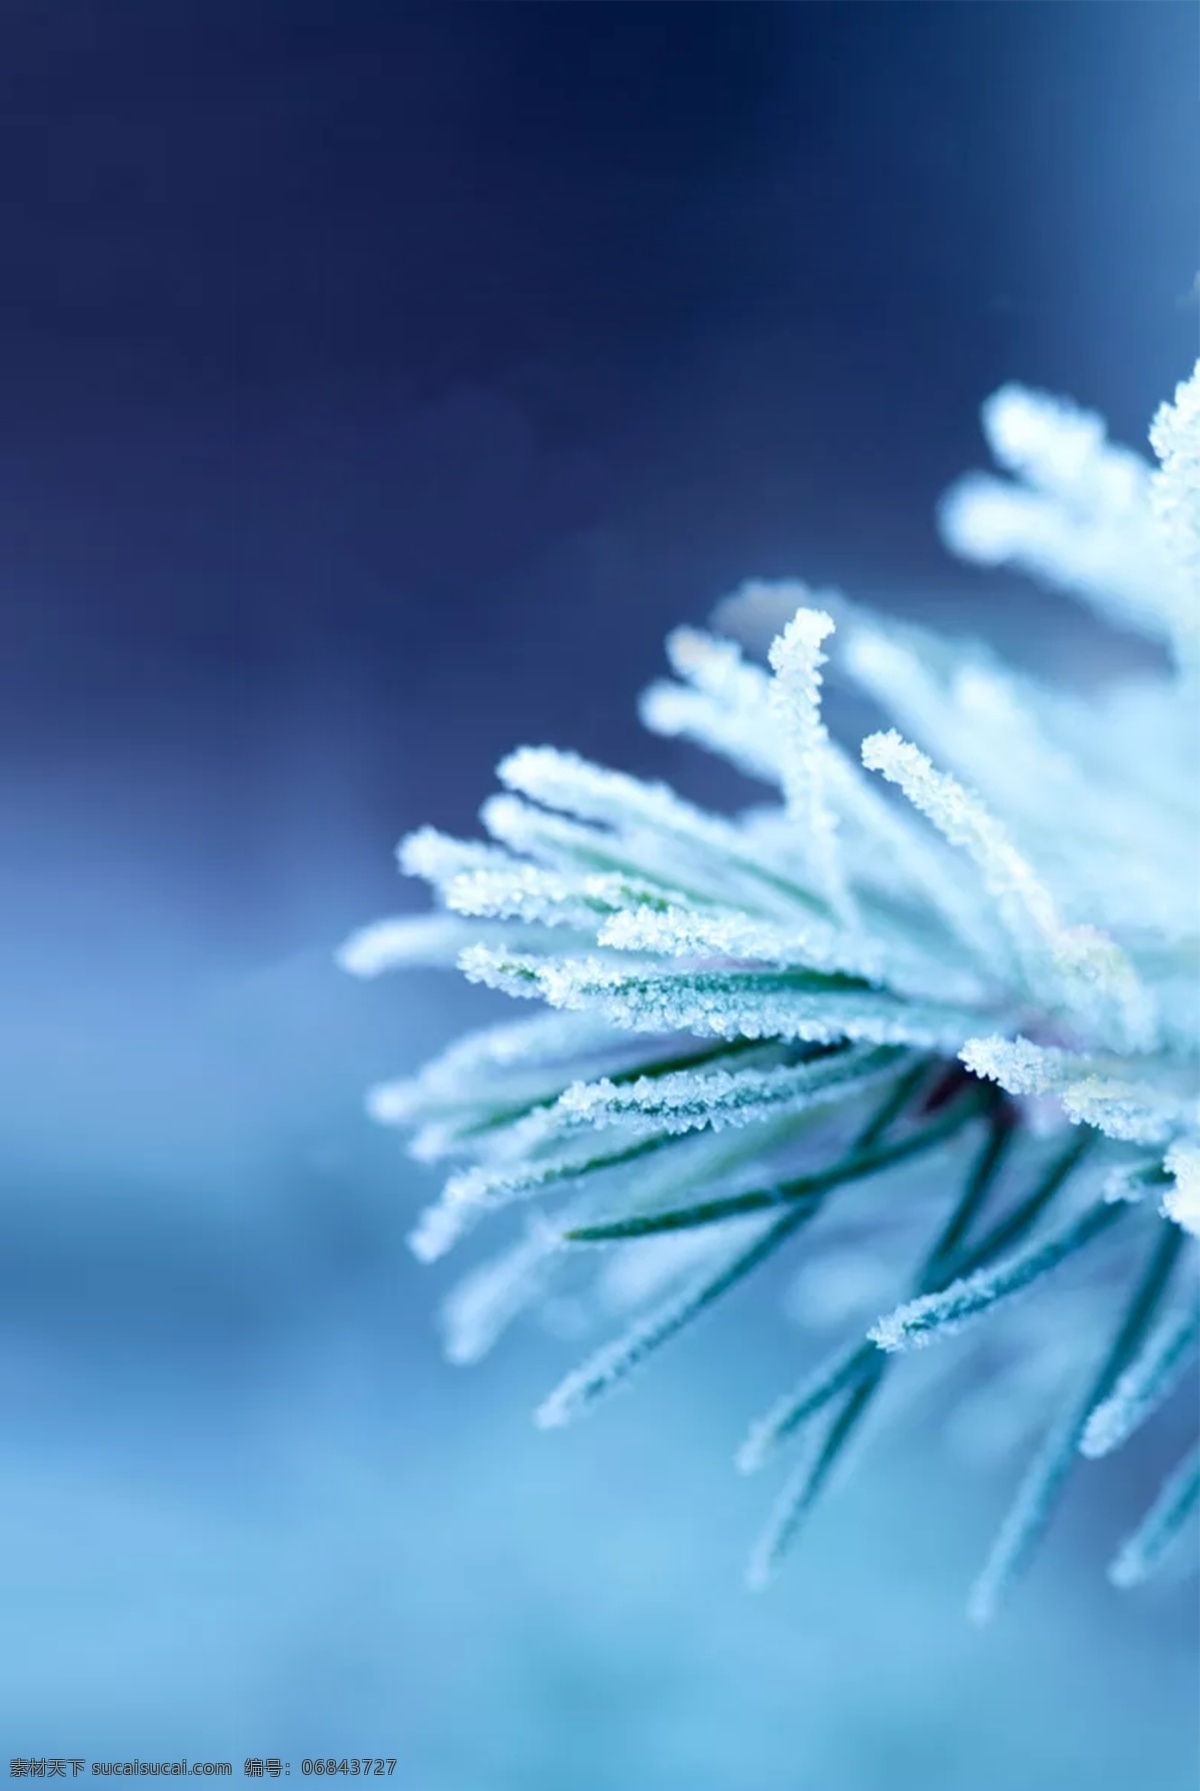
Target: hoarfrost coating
[(942, 997)]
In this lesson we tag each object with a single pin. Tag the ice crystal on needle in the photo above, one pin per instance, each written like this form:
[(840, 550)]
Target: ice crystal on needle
[(946, 997)]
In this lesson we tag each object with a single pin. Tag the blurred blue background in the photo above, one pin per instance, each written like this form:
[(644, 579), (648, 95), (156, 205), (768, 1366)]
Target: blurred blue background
[(378, 385)]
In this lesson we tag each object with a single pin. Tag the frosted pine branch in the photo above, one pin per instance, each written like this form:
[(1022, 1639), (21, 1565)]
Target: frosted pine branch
[(943, 999)]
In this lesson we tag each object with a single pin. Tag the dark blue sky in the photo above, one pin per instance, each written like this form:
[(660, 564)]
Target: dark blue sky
[(380, 382)]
